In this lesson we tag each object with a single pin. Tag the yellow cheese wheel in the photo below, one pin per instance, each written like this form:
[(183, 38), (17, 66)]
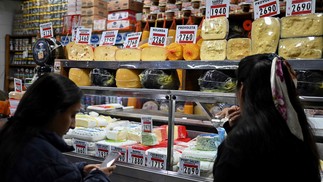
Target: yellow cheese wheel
[(126, 78), (81, 77), (105, 53), (128, 54), (80, 52), (154, 53)]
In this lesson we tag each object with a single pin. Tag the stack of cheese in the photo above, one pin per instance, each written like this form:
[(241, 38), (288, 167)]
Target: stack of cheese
[(214, 33), (92, 120), (301, 36)]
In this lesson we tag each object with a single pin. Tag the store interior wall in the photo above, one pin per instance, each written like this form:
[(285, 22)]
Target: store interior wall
[(7, 10)]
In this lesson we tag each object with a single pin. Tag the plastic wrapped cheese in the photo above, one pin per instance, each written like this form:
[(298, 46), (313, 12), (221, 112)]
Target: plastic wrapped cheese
[(265, 35), (215, 28), (213, 50), (174, 51), (191, 52), (163, 151), (105, 53), (308, 47), (302, 25), (238, 48), (208, 142), (128, 54), (81, 77), (80, 52), (126, 78), (118, 134), (149, 139), (88, 134), (153, 53), (193, 153)]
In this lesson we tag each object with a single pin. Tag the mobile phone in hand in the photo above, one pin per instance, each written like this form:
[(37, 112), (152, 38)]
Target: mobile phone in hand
[(110, 159)]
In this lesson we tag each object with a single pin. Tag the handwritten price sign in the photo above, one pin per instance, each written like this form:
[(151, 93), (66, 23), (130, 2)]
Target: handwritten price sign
[(156, 160), (132, 40), (46, 30), (147, 124), (189, 167), (186, 34), (217, 8), (108, 37), (123, 157), (300, 7), (264, 8), (136, 157), (80, 146), (158, 36), (101, 150), (83, 35)]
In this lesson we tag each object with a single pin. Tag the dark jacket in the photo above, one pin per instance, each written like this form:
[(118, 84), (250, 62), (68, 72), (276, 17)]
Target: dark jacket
[(42, 160)]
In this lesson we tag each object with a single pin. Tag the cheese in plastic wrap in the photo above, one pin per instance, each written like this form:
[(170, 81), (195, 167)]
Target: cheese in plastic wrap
[(215, 28), (238, 48), (213, 50), (105, 53), (208, 142), (87, 134), (80, 52), (308, 47), (163, 151), (302, 25), (193, 153), (265, 35)]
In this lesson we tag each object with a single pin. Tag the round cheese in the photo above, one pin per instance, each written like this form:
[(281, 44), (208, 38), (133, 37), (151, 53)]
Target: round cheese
[(81, 77), (105, 53), (126, 78)]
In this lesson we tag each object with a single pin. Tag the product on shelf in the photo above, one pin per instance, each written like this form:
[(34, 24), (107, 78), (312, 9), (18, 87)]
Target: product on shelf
[(302, 25), (163, 151), (208, 142), (238, 48), (149, 139), (88, 121), (195, 154), (191, 52), (116, 143), (179, 131), (80, 52), (174, 51), (128, 54), (161, 133), (150, 105), (88, 134), (81, 77), (105, 53), (159, 79), (153, 53), (215, 28), (213, 50), (102, 77), (308, 47), (216, 81), (126, 78), (265, 35), (118, 133)]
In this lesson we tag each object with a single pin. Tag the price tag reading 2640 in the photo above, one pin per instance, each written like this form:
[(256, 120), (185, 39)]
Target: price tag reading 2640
[(218, 10)]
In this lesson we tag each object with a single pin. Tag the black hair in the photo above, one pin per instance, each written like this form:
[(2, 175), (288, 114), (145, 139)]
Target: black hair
[(50, 94)]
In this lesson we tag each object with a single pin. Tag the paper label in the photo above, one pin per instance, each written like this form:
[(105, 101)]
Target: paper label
[(108, 37), (18, 85), (136, 157), (156, 160), (300, 7), (80, 146), (147, 124), (83, 35), (46, 30), (158, 36), (186, 34), (189, 167), (265, 8), (132, 40), (124, 155), (101, 150), (217, 8)]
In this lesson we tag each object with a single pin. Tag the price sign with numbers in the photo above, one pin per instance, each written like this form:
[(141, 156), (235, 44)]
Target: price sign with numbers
[(264, 8), (158, 36), (108, 37), (186, 34), (123, 157), (18, 84), (80, 146), (74, 32), (46, 30), (156, 160), (300, 7), (137, 157), (83, 35), (217, 8), (147, 124), (101, 150), (189, 166), (132, 40)]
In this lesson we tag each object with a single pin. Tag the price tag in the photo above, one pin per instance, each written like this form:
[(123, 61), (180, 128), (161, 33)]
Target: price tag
[(74, 32), (108, 37), (83, 35), (46, 30), (189, 166), (186, 34), (158, 36), (264, 8), (101, 150), (217, 8), (300, 7), (132, 40), (123, 157), (136, 157), (147, 124), (18, 84), (80, 146), (156, 160)]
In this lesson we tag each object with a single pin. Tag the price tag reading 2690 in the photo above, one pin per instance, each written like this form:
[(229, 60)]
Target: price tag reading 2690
[(158, 36), (264, 8), (299, 7), (190, 167), (136, 157)]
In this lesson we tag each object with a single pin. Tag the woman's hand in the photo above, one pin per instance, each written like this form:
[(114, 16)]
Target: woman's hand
[(106, 170), (231, 113), (88, 168)]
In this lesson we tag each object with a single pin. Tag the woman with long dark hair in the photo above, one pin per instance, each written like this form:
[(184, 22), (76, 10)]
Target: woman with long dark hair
[(272, 139), (31, 143)]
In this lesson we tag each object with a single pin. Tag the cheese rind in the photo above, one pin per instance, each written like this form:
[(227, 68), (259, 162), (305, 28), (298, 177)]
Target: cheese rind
[(81, 77), (309, 47), (213, 50), (105, 53), (154, 53), (215, 28), (128, 54), (238, 48), (302, 26), (126, 78), (80, 52), (265, 35)]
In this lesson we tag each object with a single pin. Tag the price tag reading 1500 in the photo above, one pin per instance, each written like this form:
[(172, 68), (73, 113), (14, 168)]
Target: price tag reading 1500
[(264, 8), (299, 7)]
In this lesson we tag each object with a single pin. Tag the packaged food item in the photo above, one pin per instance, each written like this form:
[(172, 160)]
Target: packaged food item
[(212, 50), (215, 28), (191, 52), (159, 79), (238, 48), (216, 81), (174, 51), (81, 77)]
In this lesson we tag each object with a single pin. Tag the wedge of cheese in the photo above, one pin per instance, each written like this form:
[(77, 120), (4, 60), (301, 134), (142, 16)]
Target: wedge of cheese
[(215, 28), (126, 78), (238, 48), (81, 77), (309, 47), (80, 52), (213, 50), (105, 53), (265, 35), (128, 54), (153, 53), (302, 26)]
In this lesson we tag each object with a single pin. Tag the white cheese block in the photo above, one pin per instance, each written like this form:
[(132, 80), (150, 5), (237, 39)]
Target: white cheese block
[(309, 47), (128, 54), (88, 134), (193, 153), (116, 143), (154, 53), (213, 50), (265, 35), (134, 135), (118, 134), (302, 26), (163, 151), (238, 48), (80, 52), (208, 142), (215, 28), (105, 53)]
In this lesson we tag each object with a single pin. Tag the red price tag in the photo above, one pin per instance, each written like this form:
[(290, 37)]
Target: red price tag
[(132, 40), (122, 151), (80, 147), (218, 10), (264, 8), (158, 36), (189, 166), (147, 124), (136, 157), (83, 35), (101, 150), (46, 30), (299, 7), (108, 37), (156, 160)]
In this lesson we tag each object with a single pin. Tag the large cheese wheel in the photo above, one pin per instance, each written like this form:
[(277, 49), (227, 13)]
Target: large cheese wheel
[(265, 35), (213, 50), (80, 52), (174, 51), (81, 77), (154, 53), (191, 52), (128, 54), (302, 26), (308, 47), (215, 28), (126, 78), (238, 48), (105, 53)]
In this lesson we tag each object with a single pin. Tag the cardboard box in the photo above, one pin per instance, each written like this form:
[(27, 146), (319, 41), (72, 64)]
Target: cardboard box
[(95, 3), (125, 25), (121, 15), (117, 5), (100, 24), (70, 21), (89, 20), (90, 11)]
